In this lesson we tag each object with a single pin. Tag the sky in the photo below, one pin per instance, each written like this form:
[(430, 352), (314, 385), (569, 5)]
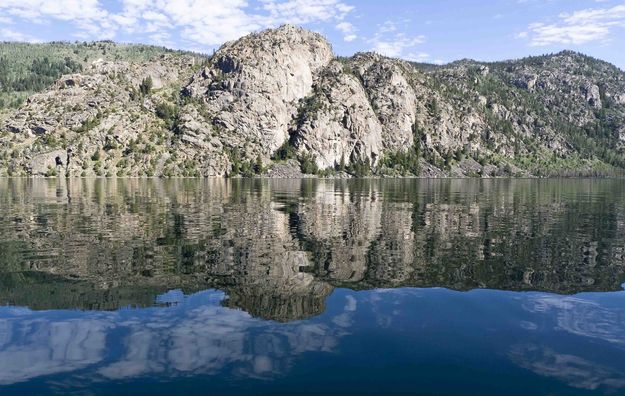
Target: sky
[(434, 31)]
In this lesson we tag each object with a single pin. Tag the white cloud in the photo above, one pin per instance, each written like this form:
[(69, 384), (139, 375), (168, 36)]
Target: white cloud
[(348, 30), (305, 11), (390, 41), (10, 35), (396, 47), (87, 15), (613, 15), (7, 34), (417, 56), (67, 10), (579, 27), (198, 23)]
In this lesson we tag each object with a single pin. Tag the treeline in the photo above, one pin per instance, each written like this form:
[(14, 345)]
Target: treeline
[(27, 68), (40, 74)]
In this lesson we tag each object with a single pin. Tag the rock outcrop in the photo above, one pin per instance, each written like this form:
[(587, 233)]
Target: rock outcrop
[(337, 123), (251, 87), (392, 97)]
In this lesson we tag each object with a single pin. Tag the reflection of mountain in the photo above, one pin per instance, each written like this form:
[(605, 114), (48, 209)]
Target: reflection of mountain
[(39, 290), (198, 337), (278, 248), (376, 333)]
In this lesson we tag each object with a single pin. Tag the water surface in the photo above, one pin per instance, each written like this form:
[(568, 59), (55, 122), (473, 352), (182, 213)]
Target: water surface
[(343, 287)]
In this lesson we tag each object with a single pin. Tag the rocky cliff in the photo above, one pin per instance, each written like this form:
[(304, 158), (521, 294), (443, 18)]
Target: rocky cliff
[(280, 99)]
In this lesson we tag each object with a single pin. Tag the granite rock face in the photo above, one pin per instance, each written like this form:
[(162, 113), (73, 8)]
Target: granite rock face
[(337, 123), (392, 97), (251, 87), (281, 95)]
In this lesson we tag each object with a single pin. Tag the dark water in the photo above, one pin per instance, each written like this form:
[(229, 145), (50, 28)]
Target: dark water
[(306, 287)]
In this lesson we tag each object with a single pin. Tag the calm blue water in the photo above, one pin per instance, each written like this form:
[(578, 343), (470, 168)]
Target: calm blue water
[(308, 287)]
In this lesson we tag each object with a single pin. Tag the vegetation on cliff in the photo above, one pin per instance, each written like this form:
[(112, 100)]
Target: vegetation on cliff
[(280, 95)]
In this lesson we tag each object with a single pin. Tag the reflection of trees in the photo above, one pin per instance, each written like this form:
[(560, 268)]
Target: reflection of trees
[(279, 247)]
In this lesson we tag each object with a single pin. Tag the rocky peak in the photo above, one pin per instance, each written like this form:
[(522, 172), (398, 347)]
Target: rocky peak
[(252, 85)]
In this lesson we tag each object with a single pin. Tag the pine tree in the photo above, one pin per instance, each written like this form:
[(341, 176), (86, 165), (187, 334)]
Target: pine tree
[(146, 86)]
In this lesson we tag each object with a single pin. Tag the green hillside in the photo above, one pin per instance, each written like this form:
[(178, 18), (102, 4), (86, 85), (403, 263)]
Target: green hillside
[(27, 68)]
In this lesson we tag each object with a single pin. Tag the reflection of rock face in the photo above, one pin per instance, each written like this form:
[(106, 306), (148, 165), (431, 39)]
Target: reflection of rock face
[(280, 247), (268, 303), (342, 227), (393, 247), (262, 268)]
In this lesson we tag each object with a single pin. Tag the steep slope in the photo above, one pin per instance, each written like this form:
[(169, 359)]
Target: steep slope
[(337, 122), (551, 109), (105, 122), (281, 95)]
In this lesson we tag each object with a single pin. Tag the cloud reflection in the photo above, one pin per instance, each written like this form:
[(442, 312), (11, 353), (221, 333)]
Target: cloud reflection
[(559, 337), (196, 337), (570, 369), (581, 317)]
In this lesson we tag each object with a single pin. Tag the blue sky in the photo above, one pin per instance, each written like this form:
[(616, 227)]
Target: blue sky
[(421, 30)]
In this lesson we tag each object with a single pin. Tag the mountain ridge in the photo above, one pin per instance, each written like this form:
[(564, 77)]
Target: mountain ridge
[(279, 102)]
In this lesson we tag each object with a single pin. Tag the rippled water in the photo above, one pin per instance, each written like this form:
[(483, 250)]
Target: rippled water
[(312, 286)]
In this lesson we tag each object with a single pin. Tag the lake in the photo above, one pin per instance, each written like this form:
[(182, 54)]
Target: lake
[(245, 287)]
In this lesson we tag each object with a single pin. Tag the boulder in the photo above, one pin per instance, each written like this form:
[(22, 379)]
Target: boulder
[(41, 164), (592, 95)]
